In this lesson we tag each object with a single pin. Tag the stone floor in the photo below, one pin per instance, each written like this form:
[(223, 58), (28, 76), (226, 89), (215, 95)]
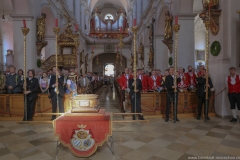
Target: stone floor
[(156, 140)]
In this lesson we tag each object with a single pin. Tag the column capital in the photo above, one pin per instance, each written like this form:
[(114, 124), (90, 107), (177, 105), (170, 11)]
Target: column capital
[(27, 17), (186, 16)]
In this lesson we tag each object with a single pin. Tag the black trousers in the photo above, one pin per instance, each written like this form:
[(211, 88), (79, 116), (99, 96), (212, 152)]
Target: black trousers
[(169, 100), (234, 98), (123, 95), (201, 101), (54, 105), (30, 108), (137, 105)]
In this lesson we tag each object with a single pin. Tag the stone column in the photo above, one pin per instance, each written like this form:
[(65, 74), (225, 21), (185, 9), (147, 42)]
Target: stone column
[(161, 53), (186, 49)]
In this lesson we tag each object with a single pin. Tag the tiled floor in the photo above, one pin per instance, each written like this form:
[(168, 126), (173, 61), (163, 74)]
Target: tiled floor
[(156, 140)]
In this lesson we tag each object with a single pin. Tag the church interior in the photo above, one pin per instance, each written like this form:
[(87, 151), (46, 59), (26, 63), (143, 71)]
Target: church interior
[(119, 79)]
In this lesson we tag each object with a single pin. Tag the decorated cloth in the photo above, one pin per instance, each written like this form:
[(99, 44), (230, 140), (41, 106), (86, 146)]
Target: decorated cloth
[(82, 134)]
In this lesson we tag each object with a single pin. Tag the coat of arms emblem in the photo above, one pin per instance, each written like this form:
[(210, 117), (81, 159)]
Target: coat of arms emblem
[(82, 139)]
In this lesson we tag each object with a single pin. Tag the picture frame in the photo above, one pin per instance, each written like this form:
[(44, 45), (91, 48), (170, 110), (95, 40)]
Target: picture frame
[(200, 55)]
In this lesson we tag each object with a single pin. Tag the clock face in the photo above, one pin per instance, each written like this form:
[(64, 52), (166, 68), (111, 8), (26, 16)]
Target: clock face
[(84, 103), (108, 48)]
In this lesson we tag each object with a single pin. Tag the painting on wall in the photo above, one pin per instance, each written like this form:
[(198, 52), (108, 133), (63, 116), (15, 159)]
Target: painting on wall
[(200, 55)]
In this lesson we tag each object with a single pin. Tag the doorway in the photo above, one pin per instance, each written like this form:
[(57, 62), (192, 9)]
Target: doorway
[(109, 70)]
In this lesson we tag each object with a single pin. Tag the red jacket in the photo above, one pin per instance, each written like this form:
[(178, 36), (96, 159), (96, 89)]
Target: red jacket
[(124, 81), (192, 79), (144, 80), (151, 82), (184, 83)]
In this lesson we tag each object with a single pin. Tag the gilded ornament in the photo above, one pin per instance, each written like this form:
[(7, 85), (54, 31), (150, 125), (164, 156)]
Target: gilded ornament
[(41, 28)]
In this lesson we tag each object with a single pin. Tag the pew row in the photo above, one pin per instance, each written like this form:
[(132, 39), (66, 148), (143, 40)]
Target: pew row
[(12, 105), (154, 103)]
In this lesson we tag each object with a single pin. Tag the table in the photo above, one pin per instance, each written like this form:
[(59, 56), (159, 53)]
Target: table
[(83, 133)]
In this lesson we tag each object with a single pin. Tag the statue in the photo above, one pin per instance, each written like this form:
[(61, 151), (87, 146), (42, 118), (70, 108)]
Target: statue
[(131, 60), (141, 52), (9, 58), (168, 25), (150, 61), (86, 64), (150, 36), (41, 28)]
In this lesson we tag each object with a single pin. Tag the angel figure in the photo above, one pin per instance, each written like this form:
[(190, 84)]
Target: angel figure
[(168, 25), (150, 61), (41, 28)]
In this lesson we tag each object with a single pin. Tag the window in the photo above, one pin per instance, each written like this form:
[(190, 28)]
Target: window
[(109, 16)]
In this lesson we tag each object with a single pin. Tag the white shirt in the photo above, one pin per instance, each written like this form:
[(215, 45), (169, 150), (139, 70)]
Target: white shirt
[(69, 81)]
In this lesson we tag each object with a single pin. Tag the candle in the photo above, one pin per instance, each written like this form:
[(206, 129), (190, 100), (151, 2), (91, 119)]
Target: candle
[(24, 23), (92, 48), (56, 22), (176, 20), (120, 29), (134, 22), (117, 48), (76, 27)]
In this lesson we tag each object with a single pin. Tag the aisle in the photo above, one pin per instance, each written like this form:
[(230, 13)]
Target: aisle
[(108, 99)]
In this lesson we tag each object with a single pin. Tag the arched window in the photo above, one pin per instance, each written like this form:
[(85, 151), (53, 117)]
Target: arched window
[(108, 16)]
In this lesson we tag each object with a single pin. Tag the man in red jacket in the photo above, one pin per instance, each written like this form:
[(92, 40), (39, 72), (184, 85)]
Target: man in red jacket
[(183, 84), (143, 79), (233, 85), (154, 81), (124, 85)]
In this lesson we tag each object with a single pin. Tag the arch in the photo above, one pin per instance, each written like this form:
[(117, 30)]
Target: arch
[(49, 20), (111, 59)]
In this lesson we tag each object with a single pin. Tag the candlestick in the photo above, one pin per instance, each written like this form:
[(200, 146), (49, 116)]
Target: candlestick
[(56, 30), (25, 32), (176, 28), (56, 22), (24, 23), (176, 20)]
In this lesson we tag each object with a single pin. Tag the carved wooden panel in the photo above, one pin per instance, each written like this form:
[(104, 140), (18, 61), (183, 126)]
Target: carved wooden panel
[(2, 105), (45, 104), (148, 101), (16, 103)]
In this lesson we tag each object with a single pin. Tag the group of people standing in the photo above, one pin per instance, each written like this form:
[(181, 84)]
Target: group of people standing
[(155, 82)]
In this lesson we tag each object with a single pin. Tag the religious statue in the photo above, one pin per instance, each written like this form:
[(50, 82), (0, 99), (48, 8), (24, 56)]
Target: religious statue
[(168, 26), (131, 60), (41, 27), (150, 36), (2, 82), (150, 61), (9, 58), (141, 52)]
